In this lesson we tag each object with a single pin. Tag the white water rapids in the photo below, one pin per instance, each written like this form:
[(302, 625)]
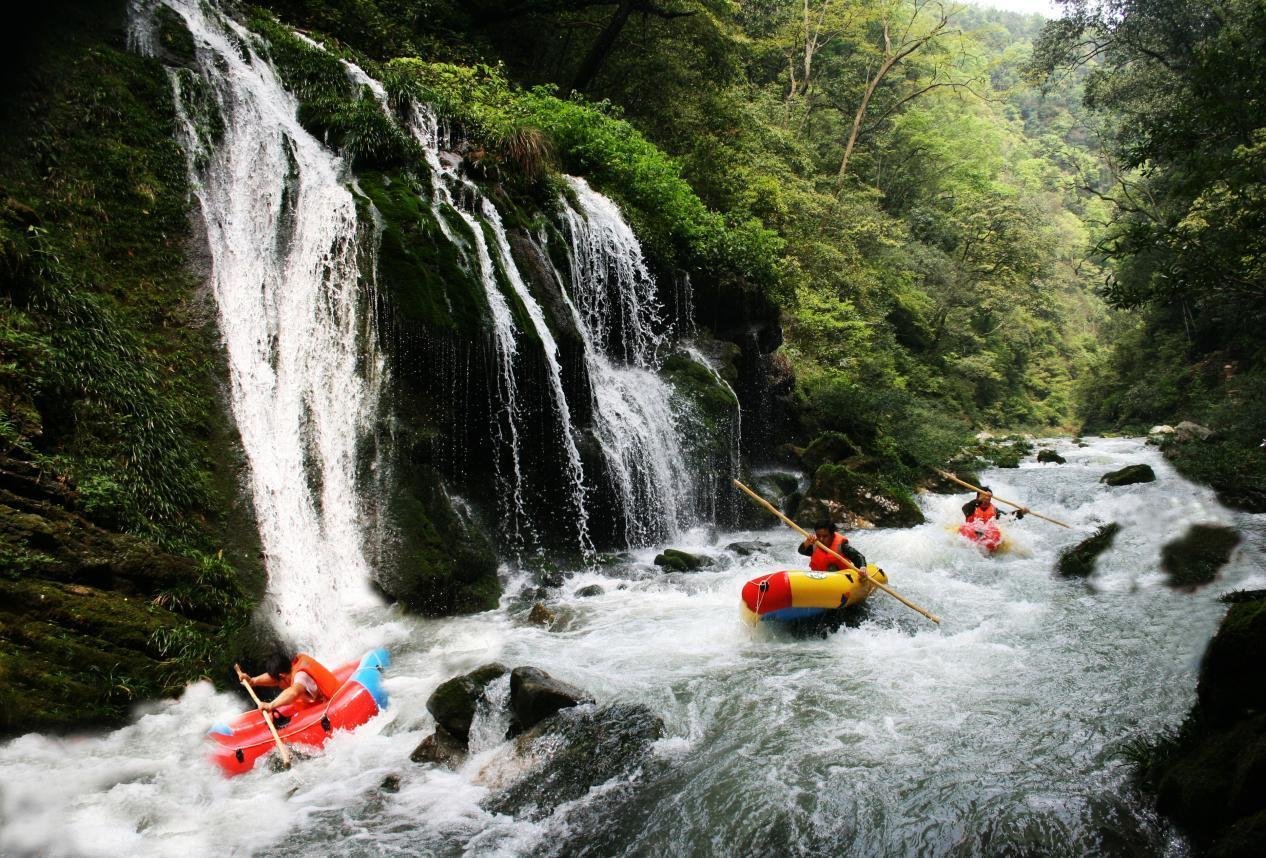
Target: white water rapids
[(997, 733)]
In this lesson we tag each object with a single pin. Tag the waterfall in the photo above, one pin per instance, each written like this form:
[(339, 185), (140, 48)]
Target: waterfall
[(286, 271), (613, 297), (480, 214)]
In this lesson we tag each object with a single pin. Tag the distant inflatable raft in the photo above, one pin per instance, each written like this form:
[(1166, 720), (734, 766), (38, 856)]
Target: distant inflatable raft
[(236, 746), (796, 595)]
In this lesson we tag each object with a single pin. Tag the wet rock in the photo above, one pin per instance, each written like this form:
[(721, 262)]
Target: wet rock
[(747, 548), (1208, 777), (681, 561), (391, 783), (1186, 432), (856, 500), (441, 748), (591, 590), (581, 748), (453, 704), (1196, 558), (1129, 475), (541, 615), (1158, 435), (1051, 456), (937, 484), (1231, 672), (551, 578), (535, 696), (1078, 561), (1240, 596)]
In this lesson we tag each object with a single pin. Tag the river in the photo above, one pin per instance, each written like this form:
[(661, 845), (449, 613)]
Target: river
[(1000, 732)]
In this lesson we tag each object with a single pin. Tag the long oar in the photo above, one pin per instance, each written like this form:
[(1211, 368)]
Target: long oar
[(281, 748), (947, 475), (844, 560)]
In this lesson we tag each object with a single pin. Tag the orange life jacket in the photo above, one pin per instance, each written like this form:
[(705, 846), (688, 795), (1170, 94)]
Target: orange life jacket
[(326, 682), (820, 561), (983, 513)]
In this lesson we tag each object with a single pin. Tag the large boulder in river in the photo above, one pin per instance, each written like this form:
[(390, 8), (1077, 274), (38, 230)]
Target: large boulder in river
[(1208, 777), (535, 696), (1129, 475), (580, 749), (1196, 558), (675, 560), (1078, 561), (453, 704), (1051, 456), (857, 500)]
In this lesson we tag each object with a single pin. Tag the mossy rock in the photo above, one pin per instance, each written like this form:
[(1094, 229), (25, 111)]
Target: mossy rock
[(1232, 673), (1196, 557), (1129, 475), (828, 448), (590, 591), (1213, 778), (839, 494), (675, 560), (701, 384), (1051, 457), (1078, 561), (437, 563), (454, 702)]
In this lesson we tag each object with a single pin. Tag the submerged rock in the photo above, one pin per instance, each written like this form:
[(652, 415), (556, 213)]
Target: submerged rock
[(580, 749), (1051, 456), (453, 704), (535, 696), (541, 615), (441, 748), (590, 590), (681, 561), (1078, 561), (747, 548), (1196, 558), (1129, 475), (391, 783)]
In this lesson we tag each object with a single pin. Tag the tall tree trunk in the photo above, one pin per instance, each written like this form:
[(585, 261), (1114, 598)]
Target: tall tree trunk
[(592, 64)]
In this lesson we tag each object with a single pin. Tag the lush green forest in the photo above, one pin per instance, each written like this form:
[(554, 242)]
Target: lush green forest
[(884, 172), (1175, 93)]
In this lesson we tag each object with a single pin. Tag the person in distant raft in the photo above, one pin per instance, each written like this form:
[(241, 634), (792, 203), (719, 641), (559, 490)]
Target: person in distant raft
[(301, 677), (981, 508), (825, 533)]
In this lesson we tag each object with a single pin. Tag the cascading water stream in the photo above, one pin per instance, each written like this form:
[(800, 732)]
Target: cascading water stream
[(613, 297), (478, 212), (286, 251)]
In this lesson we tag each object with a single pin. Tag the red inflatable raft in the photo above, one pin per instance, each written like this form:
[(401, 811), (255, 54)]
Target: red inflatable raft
[(984, 533), (238, 744)]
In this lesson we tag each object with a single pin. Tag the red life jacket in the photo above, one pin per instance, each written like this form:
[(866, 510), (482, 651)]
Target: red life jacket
[(983, 512), (327, 683), (820, 561)]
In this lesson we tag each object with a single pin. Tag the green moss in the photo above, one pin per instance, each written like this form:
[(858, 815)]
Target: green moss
[(701, 385), (1235, 468), (440, 564), (424, 273), (110, 369)]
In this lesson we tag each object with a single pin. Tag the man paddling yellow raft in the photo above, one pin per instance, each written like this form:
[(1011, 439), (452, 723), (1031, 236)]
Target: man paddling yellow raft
[(807, 594)]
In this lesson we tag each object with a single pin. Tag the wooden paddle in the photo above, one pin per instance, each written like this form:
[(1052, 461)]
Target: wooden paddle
[(844, 560), (947, 475), (281, 748)]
